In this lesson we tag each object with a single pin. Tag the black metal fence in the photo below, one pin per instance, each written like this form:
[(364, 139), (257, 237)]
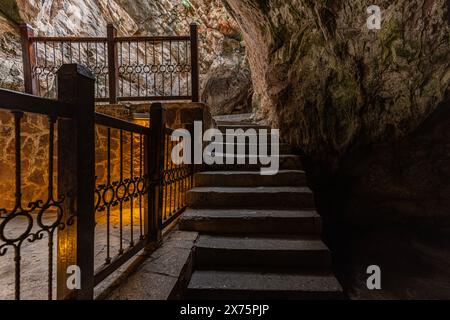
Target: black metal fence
[(111, 184), (125, 68), (177, 180)]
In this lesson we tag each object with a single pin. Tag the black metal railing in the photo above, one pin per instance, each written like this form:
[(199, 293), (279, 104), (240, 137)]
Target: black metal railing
[(154, 68), (122, 188), (111, 184), (177, 180), (32, 220)]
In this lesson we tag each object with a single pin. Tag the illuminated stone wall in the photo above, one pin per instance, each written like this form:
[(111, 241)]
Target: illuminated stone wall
[(35, 135)]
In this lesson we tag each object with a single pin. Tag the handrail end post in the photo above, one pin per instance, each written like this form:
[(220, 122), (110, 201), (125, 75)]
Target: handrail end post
[(195, 78), (76, 180), (113, 71), (28, 59), (156, 151)]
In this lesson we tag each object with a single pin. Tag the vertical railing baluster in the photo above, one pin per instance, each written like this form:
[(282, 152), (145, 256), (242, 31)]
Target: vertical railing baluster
[(36, 75), (105, 71), (154, 69), (95, 68), (166, 180), (176, 187), (163, 70), (146, 68), (170, 70), (51, 145), (140, 179), (137, 67), (70, 52), (107, 201), (171, 177), (54, 56), (130, 74), (131, 195), (179, 176), (187, 62), (195, 80), (122, 71), (18, 194), (62, 52), (122, 195), (113, 71), (179, 69), (18, 181), (46, 71), (28, 59)]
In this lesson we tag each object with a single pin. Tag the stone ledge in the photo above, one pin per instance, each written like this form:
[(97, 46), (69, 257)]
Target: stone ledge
[(161, 276)]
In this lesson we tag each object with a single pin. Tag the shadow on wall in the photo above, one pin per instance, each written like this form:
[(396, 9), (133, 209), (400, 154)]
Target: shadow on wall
[(388, 205)]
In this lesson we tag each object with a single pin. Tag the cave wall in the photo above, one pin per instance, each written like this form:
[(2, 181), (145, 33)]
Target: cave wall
[(368, 111), (218, 33), (318, 70)]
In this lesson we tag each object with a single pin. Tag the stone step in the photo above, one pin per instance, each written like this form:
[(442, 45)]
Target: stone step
[(267, 197), (250, 136), (239, 285), (249, 179), (244, 221), (246, 118), (286, 162), (245, 127), (219, 251), (284, 148)]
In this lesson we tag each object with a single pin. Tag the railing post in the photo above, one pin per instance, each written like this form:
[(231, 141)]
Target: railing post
[(188, 119), (28, 59), (191, 128), (155, 158), (113, 64), (76, 179), (195, 80)]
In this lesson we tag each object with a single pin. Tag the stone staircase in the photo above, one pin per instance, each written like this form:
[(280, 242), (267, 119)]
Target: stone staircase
[(260, 237)]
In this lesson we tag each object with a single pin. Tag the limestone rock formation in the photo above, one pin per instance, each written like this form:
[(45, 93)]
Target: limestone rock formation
[(228, 85), (355, 101), (131, 17), (10, 56)]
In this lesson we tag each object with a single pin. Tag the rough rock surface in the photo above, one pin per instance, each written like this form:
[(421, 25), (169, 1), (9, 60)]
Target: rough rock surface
[(355, 101), (228, 85), (10, 56), (136, 17)]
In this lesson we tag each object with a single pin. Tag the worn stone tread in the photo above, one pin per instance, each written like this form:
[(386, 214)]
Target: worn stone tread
[(249, 179), (284, 148), (248, 214), (261, 190), (224, 127), (247, 221), (254, 285), (264, 243)]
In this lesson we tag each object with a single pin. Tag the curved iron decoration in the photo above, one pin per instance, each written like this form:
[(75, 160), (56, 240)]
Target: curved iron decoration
[(34, 214), (115, 194), (50, 56), (176, 181)]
